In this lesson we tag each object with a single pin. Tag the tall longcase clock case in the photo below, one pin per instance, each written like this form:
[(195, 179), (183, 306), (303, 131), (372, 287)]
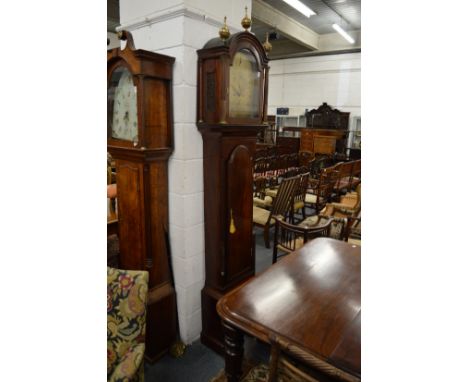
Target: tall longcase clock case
[(140, 139), (231, 109)]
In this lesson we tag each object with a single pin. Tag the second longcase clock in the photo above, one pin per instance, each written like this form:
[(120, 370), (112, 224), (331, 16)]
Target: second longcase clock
[(231, 109), (140, 140)]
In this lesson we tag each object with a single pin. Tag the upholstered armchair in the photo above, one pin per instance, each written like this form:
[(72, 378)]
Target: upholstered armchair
[(126, 324)]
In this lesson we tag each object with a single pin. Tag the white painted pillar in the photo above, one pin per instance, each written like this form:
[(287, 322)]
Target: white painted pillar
[(178, 28)]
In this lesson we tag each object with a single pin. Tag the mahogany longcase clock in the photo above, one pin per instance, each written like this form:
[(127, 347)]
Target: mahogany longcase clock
[(140, 139), (231, 109)]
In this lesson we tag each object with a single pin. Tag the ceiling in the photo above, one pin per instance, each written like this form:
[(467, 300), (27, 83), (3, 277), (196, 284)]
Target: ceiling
[(327, 13), (291, 33)]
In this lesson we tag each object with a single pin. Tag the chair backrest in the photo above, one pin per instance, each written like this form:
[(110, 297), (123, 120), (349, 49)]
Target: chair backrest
[(290, 172), (260, 184), (324, 190), (282, 201), (301, 190), (260, 166), (259, 153), (293, 160), (356, 168), (305, 157), (345, 173), (290, 237), (282, 164), (319, 164)]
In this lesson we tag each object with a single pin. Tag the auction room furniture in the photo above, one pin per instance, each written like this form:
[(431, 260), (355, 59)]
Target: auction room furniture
[(281, 206), (321, 191), (126, 323), (326, 131), (139, 138), (310, 300), (231, 110)]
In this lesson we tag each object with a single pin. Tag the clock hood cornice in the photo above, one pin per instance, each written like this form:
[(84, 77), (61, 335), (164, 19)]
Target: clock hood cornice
[(235, 43), (139, 61)]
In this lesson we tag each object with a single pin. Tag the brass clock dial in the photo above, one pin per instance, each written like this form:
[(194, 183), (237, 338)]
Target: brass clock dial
[(122, 95), (244, 86)]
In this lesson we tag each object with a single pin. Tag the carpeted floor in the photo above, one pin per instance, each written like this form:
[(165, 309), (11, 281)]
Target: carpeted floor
[(200, 363)]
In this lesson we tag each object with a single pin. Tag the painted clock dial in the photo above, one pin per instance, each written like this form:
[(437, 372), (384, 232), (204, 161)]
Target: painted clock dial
[(123, 100), (244, 86)]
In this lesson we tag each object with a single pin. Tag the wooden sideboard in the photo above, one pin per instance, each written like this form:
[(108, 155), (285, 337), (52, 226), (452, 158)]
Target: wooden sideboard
[(326, 131), (323, 141)]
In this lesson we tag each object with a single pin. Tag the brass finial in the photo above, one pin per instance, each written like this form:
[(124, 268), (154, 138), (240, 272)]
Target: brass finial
[(266, 45), (246, 22), (224, 31)]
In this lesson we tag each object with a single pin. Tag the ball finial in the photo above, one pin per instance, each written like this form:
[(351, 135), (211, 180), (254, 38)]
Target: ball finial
[(267, 45), (224, 31), (246, 22)]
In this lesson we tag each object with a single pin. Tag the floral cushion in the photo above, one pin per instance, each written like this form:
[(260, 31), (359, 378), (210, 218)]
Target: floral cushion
[(126, 324)]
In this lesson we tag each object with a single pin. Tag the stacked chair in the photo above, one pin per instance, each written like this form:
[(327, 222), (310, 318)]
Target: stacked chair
[(285, 184), (321, 191)]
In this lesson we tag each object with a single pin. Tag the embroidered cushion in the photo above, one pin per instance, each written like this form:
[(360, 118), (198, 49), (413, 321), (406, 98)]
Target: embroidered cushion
[(126, 324)]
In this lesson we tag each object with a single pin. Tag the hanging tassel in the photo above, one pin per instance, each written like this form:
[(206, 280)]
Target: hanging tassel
[(232, 227)]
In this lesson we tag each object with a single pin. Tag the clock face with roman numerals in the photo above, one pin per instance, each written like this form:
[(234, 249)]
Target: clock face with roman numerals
[(122, 95), (244, 86)]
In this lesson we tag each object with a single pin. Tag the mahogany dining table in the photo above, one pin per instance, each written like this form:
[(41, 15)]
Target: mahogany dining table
[(310, 299)]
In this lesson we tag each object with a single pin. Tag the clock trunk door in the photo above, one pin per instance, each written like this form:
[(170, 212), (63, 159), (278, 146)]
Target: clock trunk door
[(239, 214), (129, 186)]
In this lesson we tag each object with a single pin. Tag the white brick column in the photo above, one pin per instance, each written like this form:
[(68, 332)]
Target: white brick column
[(178, 28)]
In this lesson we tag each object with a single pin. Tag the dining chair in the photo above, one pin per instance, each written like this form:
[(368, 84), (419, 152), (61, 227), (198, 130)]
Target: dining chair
[(279, 209), (260, 199), (322, 190), (289, 237), (298, 200)]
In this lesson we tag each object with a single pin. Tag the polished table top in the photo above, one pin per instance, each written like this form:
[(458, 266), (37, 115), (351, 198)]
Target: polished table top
[(311, 298)]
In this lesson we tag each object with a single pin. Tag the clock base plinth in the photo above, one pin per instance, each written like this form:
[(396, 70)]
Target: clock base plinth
[(161, 329), (212, 334)]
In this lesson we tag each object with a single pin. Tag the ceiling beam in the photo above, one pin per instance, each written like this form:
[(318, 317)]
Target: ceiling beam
[(285, 25)]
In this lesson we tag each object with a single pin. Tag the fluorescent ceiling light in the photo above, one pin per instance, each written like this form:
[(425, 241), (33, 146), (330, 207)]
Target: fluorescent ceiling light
[(342, 32), (304, 9)]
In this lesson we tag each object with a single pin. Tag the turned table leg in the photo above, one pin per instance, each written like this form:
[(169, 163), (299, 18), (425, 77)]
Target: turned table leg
[(233, 352)]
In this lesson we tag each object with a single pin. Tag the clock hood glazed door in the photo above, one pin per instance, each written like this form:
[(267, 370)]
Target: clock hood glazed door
[(122, 103), (244, 86)]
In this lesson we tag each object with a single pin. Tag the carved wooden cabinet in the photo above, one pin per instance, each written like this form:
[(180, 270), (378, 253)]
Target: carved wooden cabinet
[(231, 109), (326, 132), (140, 140)]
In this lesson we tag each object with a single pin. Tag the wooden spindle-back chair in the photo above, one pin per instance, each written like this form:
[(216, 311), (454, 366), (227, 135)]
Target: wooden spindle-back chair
[(279, 209), (321, 193)]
